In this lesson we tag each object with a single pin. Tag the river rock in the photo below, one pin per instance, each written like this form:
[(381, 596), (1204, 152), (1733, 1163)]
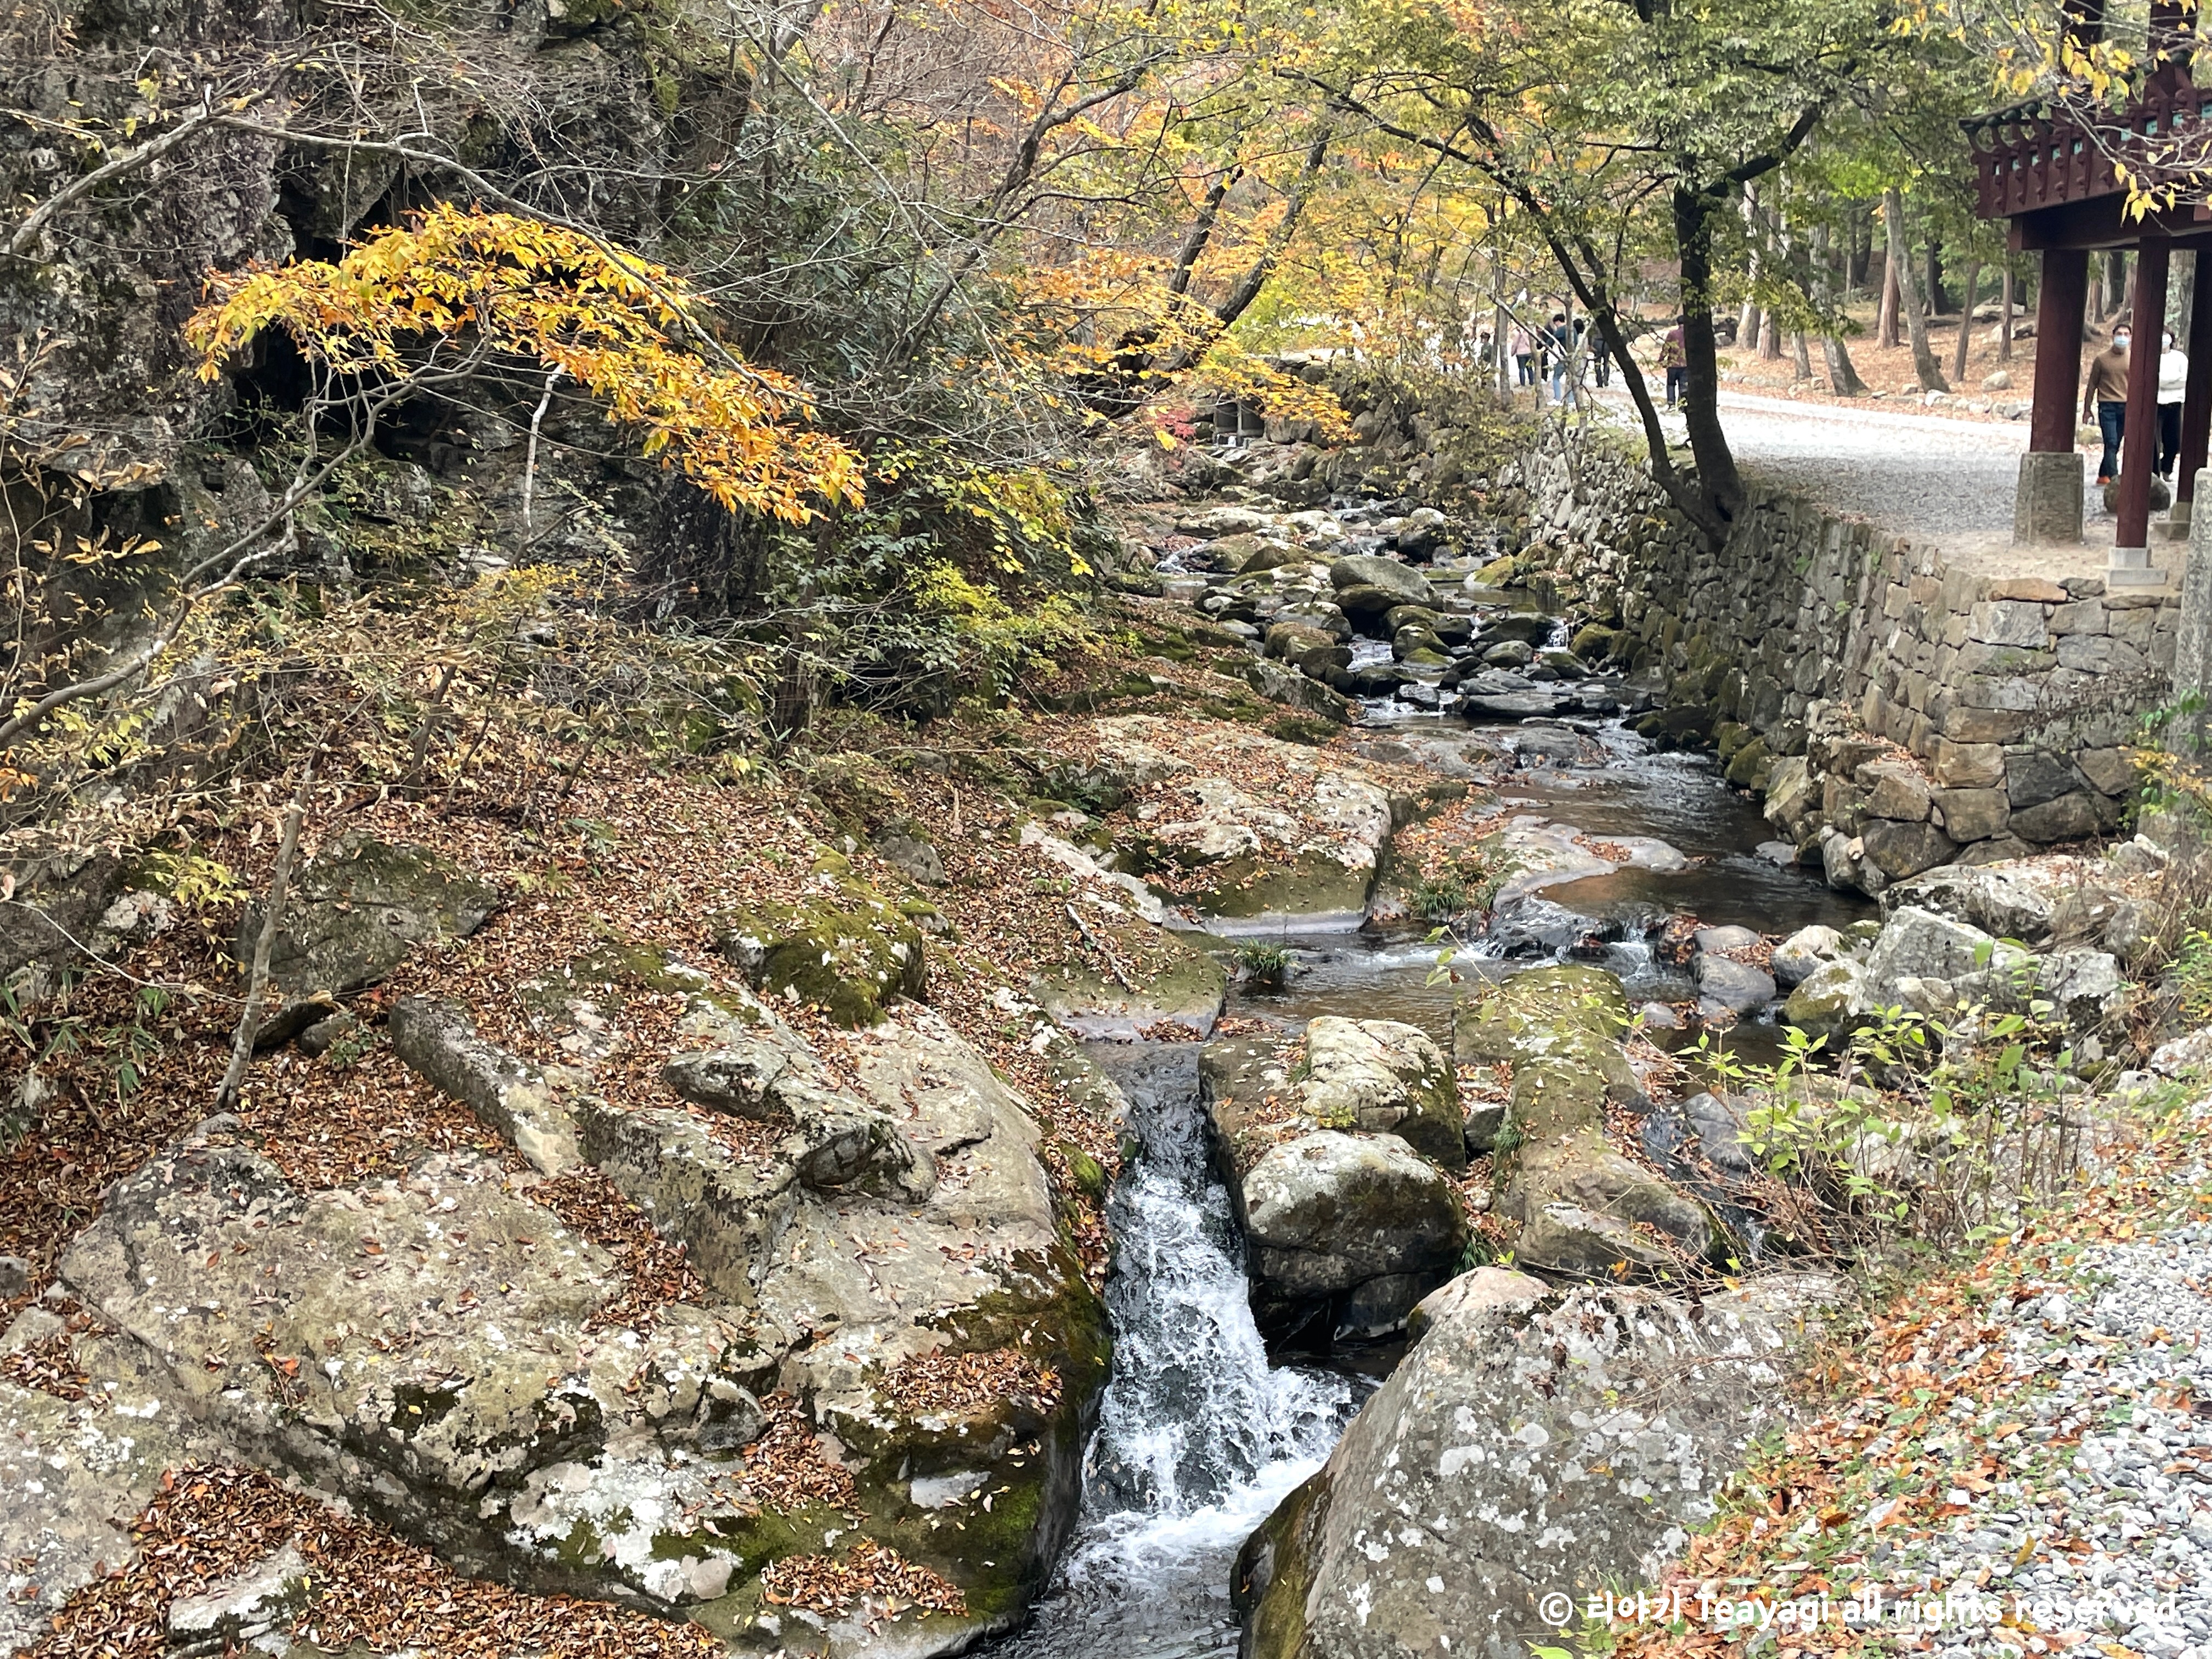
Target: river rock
[(1337, 1223), (1585, 1209), (2039, 902), (1725, 986), (1151, 980), (1384, 1078), (1796, 958), (1823, 1003), (357, 910), (1368, 570), (1530, 1442)]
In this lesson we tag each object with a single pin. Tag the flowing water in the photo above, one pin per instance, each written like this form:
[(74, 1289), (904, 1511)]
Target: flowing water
[(1199, 1438)]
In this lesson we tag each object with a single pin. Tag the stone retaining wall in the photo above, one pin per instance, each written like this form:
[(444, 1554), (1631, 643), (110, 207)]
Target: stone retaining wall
[(1897, 714)]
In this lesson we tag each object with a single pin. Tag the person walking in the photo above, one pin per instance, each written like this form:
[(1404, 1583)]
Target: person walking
[(1524, 356), (2107, 395), (1558, 354), (1676, 361), (2173, 386)]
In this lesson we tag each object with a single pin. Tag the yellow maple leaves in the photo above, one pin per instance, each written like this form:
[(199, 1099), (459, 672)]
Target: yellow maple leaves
[(457, 286)]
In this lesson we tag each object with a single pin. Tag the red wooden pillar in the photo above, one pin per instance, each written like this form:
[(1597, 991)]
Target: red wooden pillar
[(2139, 447), (2047, 503), (2065, 291), (2197, 401)]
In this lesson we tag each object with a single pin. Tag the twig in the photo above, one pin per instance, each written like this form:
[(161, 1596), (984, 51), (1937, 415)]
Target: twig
[(257, 979)]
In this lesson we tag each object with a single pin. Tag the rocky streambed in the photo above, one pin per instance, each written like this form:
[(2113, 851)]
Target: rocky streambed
[(1412, 1315)]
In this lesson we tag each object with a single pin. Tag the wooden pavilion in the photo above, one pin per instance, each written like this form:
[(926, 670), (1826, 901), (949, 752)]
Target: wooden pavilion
[(2058, 179)]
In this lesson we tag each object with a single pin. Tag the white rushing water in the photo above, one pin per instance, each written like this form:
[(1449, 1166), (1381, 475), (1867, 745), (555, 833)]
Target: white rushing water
[(1198, 1437)]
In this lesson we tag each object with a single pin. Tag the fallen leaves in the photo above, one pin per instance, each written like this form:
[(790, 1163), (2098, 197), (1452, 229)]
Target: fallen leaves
[(954, 1383), (822, 1585), (210, 1522), (655, 1272)]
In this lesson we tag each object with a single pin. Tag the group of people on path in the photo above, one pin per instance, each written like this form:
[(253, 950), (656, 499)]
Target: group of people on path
[(1560, 354), (1568, 356), (2104, 401)]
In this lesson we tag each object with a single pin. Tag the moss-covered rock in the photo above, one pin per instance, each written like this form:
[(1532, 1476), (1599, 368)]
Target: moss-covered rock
[(848, 951), (357, 911)]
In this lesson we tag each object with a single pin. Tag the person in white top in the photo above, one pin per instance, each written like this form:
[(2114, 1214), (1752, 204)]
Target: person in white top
[(2172, 383)]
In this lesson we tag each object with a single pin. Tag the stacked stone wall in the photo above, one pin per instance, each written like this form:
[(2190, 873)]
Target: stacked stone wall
[(1897, 713)]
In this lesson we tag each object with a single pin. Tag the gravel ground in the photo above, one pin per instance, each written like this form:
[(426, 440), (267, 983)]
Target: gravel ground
[(1916, 474), (2015, 1460), (2095, 1521)]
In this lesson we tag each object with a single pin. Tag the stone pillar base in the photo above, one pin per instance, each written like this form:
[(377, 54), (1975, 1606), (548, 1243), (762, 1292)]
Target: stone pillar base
[(2175, 525), (2047, 508), (2131, 568)]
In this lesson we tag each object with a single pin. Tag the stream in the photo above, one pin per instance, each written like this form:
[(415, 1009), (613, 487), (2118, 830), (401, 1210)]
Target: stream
[(1199, 1438)]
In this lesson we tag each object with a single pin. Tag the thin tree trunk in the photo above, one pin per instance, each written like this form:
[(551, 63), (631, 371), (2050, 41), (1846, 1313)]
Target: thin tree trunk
[(1966, 324), (1935, 295), (1802, 357), (1885, 321), (1747, 325), (1908, 302), (264, 942), (2004, 321), (1843, 377)]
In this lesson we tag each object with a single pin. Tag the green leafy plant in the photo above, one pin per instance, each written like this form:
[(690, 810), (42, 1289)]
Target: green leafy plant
[(1264, 965)]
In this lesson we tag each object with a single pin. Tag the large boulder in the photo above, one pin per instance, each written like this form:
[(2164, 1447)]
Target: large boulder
[(78, 1465), (1585, 1210), (358, 909), (1798, 957), (1941, 968), (1531, 1442), (1353, 1229), (1405, 585), (1251, 830), (433, 1357), (1384, 1078), (876, 1323), (2038, 902)]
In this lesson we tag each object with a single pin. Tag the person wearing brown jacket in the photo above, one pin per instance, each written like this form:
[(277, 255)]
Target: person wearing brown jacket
[(2107, 393)]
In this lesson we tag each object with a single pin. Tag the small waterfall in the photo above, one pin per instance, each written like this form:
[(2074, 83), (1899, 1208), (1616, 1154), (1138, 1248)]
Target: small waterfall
[(1198, 1437), (1193, 1410)]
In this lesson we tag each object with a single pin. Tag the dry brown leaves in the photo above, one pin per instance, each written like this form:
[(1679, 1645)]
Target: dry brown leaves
[(656, 1272), (958, 1382), (785, 1470), (46, 1365), (209, 1523), (875, 1572)]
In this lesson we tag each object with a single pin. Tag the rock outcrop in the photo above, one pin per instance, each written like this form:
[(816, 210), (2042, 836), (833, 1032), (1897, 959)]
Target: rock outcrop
[(1310, 847), (358, 910), (1531, 1441)]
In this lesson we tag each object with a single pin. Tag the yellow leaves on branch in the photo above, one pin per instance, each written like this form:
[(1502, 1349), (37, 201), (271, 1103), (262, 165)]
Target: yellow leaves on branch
[(519, 288)]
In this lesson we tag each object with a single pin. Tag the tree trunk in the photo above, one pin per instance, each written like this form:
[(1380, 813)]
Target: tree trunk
[(1843, 376), (1885, 321), (1802, 357), (1718, 480), (1908, 302), (1966, 323), (2004, 319), (264, 942), (1860, 254), (1748, 320), (1501, 360), (1935, 276)]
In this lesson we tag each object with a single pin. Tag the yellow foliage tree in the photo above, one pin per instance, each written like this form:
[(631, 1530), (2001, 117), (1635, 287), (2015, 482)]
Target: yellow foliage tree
[(479, 287)]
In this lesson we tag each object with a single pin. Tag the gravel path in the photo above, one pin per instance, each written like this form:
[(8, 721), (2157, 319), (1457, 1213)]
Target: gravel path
[(2018, 1461), (1914, 474)]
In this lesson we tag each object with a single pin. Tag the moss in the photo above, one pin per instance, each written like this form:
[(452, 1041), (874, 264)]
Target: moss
[(1274, 1571), (1090, 1173), (846, 954), (1558, 1026)]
